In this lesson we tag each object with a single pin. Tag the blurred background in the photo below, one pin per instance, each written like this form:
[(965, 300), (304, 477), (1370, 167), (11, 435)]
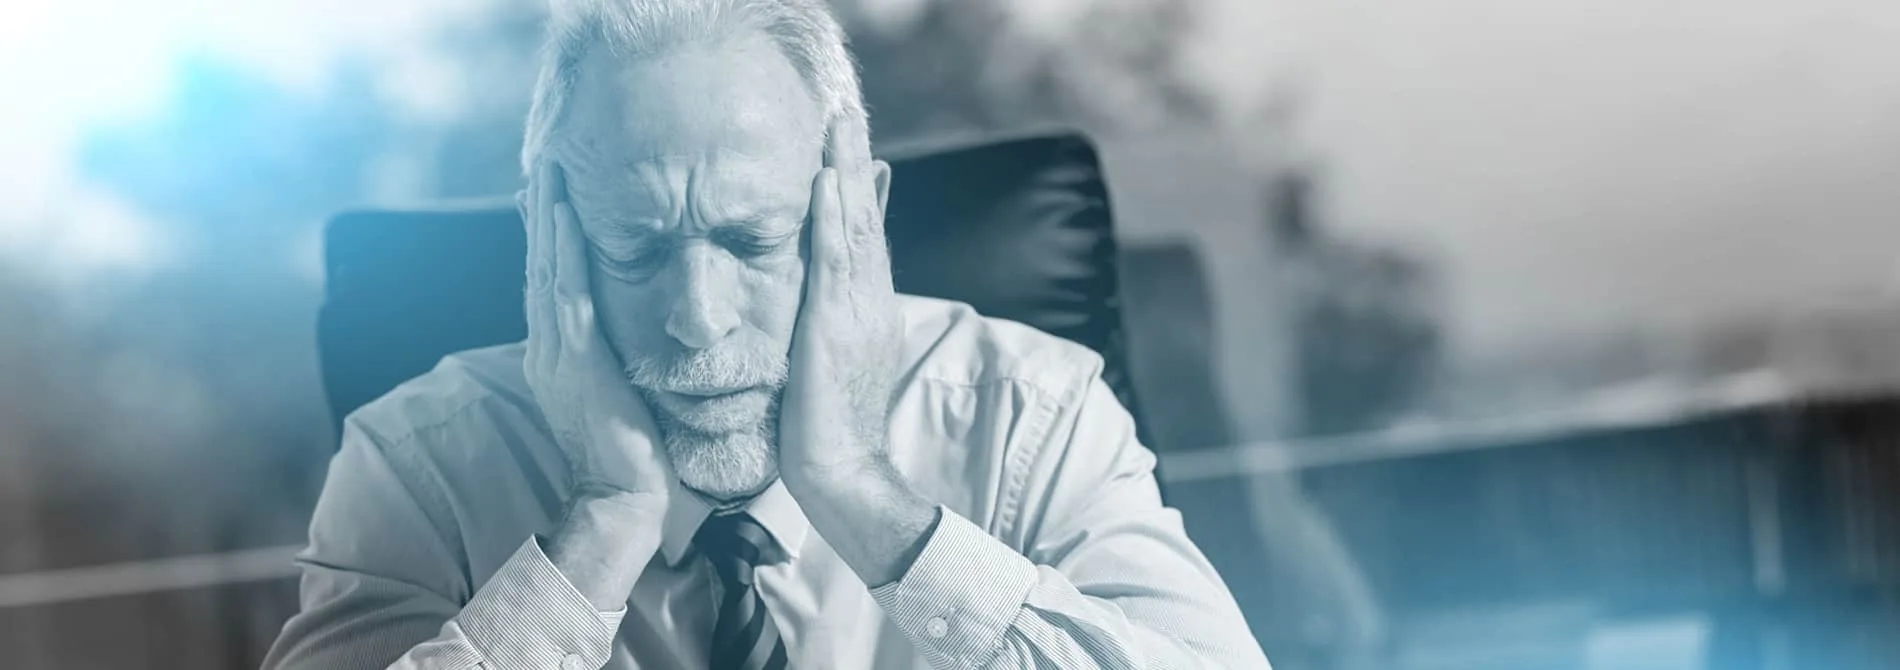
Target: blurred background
[(1473, 334)]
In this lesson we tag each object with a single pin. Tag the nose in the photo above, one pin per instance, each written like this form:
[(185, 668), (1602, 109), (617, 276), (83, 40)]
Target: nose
[(705, 308)]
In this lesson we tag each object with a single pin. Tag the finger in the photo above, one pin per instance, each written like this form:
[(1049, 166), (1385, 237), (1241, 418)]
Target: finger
[(543, 330), (524, 207), (525, 202), (541, 238), (522, 198), (574, 303), (848, 144), (828, 273), (848, 149), (570, 245), (851, 220), (834, 145), (863, 221)]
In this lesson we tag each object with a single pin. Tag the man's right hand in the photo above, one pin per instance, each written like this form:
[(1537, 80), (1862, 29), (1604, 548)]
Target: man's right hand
[(600, 422)]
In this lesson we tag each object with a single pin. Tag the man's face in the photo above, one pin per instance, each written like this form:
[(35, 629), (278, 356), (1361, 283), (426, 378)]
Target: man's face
[(691, 174)]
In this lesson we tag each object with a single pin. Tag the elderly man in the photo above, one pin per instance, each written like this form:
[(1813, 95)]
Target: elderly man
[(727, 442)]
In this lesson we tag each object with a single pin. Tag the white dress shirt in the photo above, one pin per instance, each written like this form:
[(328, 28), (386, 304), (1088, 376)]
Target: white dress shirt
[(1053, 549)]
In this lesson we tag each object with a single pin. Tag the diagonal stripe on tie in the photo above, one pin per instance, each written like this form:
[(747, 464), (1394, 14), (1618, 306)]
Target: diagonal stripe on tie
[(744, 636), (777, 662), (762, 651)]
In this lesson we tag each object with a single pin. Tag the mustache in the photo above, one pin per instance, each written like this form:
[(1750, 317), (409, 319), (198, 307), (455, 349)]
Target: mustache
[(710, 370)]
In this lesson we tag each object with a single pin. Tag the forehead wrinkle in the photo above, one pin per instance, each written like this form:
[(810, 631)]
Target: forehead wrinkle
[(659, 178), (718, 198), (752, 213), (677, 194), (725, 190)]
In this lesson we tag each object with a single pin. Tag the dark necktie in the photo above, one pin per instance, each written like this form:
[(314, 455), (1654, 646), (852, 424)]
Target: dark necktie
[(744, 637)]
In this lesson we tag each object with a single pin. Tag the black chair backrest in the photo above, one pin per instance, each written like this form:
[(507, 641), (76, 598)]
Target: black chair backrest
[(1168, 287), (1020, 230)]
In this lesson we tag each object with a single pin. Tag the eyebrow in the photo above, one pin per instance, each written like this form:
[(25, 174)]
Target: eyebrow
[(618, 228)]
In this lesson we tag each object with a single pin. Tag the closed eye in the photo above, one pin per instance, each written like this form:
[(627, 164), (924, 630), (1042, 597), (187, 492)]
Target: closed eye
[(637, 263), (749, 241)]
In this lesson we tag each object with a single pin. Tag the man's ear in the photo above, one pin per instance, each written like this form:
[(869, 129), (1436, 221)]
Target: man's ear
[(881, 172)]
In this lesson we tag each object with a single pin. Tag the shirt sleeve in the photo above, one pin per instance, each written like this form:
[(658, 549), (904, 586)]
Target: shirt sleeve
[(1108, 579), (383, 588)]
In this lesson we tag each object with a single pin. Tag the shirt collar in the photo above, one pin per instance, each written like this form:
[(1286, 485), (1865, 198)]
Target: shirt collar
[(774, 509)]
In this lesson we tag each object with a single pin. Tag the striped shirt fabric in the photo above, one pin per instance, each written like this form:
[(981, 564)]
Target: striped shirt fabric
[(1052, 548)]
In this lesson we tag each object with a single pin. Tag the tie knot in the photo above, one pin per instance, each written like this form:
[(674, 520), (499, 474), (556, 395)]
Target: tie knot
[(734, 543)]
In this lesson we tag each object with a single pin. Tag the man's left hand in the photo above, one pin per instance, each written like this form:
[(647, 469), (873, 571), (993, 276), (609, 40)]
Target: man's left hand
[(834, 442), (844, 360)]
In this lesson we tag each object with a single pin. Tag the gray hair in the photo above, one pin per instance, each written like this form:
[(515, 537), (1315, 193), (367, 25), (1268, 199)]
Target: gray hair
[(804, 30)]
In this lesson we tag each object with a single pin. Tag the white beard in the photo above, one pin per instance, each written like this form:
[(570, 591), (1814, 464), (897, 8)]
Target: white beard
[(726, 451), (725, 466)]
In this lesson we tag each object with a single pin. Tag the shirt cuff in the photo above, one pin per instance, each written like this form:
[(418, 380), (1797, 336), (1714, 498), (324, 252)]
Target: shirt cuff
[(953, 620), (612, 619), (529, 616)]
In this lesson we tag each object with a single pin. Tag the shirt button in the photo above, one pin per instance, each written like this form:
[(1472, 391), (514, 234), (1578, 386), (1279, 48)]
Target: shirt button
[(937, 627), (571, 662)]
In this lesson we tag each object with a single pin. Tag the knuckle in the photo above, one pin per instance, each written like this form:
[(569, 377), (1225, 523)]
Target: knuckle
[(580, 316), (539, 278), (837, 263), (866, 215)]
